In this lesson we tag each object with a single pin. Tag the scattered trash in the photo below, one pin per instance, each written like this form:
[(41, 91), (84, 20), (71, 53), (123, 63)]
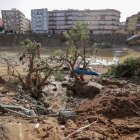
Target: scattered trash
[(62, 127), (37, 126), (66, 113)]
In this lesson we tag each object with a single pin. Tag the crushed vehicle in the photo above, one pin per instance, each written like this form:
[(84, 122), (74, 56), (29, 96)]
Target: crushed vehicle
[(79, 71)]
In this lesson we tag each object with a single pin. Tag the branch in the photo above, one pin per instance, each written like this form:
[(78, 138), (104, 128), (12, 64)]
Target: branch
[(80, 129), (17, 76)]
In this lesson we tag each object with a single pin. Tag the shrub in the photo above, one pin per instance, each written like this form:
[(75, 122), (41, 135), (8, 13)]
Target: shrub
[(130, 67), (59, 76)]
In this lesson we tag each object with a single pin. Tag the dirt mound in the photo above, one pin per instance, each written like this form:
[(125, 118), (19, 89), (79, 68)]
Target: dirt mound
[(114, 102), (88, 90), (117, 108)]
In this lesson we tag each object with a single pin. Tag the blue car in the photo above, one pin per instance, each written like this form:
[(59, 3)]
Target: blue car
[(79, 71)]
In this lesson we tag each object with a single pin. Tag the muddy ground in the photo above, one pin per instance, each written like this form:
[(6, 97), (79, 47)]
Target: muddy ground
[(114, 113), (116, 109)]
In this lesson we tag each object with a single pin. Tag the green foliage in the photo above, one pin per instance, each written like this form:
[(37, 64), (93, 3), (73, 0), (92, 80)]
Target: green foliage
[(31, 50), (38, 69), (77, 35), (130, 67), (58, 76), (77, 41)]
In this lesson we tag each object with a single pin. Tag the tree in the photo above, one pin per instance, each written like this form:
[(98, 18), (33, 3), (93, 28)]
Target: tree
[(38, 69), (77, 49)]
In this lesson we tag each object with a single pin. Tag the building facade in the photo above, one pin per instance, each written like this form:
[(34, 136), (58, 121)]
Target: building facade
[(121, 29), (1, 23), (131, 23), (28, 24), (39, 20), (14, 21), (98, 21), (138, 23)]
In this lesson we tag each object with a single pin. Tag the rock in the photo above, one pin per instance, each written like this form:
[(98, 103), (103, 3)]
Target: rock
[(49, 89), (95, 85), (99, 136), (133, 127)]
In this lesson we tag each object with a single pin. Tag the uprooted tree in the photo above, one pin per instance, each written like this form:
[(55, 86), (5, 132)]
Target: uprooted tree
[(38, 69), (76, 51)]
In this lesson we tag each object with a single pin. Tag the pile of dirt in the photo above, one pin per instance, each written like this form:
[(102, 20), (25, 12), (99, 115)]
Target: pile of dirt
[(114, 103), (117, 108), (85, 89)]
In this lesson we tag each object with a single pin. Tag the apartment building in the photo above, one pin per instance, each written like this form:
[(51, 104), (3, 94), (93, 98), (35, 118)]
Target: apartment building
[(131, 23), (98, 21), (138, 23), (121, 29), (39, 20), (28, 24), (14, 21)]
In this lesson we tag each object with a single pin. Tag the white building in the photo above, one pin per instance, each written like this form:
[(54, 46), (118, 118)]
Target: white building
[(104, 21), (39, 20)]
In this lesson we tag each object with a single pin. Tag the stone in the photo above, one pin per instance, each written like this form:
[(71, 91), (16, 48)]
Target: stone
[(133, 127)]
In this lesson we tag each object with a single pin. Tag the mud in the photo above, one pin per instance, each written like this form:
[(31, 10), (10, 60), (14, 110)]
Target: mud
[(118, 110)]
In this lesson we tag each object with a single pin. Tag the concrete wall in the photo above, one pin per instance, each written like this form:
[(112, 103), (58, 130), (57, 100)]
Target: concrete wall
[(56, 40)]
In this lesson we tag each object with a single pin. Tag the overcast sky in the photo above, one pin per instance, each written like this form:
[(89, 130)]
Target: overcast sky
[(126, 7)]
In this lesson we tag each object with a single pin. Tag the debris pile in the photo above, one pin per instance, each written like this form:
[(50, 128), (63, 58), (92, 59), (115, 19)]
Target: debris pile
[(117, 108)]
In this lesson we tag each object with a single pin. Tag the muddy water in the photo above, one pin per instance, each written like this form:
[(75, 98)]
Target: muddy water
[(121, 52), (117, 52)]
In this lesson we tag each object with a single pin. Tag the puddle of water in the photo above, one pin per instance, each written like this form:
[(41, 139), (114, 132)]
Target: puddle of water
[(112, 52)]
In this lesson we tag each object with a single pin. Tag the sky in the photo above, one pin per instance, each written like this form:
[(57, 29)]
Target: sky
[(126, 7)]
